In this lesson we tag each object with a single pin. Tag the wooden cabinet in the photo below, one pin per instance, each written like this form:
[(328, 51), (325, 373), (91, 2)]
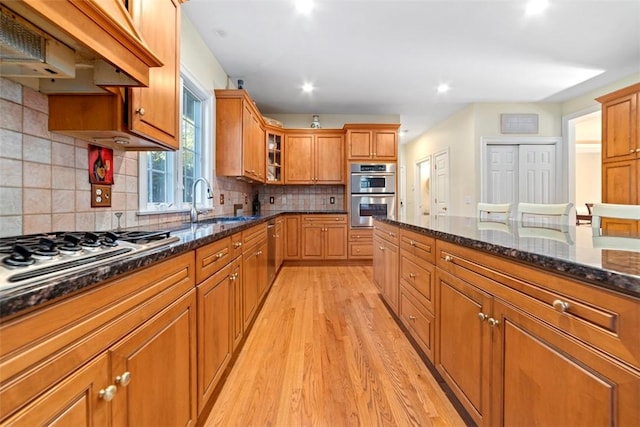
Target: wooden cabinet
[(539, 348), (292, 237), (621, 152), (280, 237), (240, 136), (125, 338), (324, 236), (275, 155), (360, 243), (314, 156), (416, 302), (145, 118), (385, 262), (254, 270), (372, 141)]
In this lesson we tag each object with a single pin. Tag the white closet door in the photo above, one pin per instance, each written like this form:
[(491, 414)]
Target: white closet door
[(441, 187), (537, 177), (502, 174)]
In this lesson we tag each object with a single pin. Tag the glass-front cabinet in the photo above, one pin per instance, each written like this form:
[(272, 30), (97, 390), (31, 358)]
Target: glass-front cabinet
[(274, 155)]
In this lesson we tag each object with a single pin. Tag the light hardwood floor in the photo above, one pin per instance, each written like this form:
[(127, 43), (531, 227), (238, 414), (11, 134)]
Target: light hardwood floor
[(324, 351)]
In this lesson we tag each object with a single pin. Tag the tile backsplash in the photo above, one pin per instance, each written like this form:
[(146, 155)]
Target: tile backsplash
[(44, 183)]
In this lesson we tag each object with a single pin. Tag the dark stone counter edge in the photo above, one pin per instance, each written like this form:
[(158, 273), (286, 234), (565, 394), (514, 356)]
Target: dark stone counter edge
[(599, 277), (22, 299)]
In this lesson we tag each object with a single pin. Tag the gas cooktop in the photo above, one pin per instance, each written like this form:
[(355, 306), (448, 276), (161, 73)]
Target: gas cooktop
[(36, 257)]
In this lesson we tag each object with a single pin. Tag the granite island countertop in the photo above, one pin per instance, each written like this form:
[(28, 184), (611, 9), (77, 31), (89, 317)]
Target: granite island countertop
[(19, 299), (611, 262)]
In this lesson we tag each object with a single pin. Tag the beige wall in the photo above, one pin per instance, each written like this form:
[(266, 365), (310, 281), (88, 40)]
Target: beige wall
[(588, 181), (463, 131)]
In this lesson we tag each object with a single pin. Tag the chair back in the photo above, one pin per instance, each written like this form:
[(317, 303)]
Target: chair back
[(610, 210), (548, 215), (494, 211)]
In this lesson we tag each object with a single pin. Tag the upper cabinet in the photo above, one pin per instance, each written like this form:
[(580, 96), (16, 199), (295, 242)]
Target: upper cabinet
[(135, 118), (314, 156), (275, 155), (240, 136), (372, 141)]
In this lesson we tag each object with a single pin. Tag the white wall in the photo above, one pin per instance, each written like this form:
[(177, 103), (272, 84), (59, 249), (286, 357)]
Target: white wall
[(588, 183)]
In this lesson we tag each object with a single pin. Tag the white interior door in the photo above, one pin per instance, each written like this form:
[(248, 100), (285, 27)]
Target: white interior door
[(441, 182), (423, 187), (537, 171), (502, 171), (403, 193)]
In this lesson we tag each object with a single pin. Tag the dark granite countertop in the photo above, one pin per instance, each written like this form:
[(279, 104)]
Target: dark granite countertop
[(18, 299), (611, 262)]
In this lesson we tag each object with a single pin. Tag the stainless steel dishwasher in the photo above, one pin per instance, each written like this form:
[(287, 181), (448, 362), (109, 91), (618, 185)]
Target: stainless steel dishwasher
[(271, 250)]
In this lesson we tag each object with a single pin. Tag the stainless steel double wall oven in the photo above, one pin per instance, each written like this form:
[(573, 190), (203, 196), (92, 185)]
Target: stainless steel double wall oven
[(373, 192)]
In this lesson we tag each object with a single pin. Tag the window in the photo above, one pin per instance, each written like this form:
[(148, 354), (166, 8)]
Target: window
[(170, 175)]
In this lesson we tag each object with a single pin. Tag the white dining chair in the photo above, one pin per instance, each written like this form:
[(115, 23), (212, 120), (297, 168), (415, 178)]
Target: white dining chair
[(494, 211), (548, 215), (610, 210)]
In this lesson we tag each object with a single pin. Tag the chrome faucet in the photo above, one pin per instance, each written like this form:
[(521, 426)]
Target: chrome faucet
[(194, 212)]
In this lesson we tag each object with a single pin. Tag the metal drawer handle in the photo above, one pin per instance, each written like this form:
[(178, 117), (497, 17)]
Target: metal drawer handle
[(412, 243), (382, 248), (412, 275), (236, 245), (493, 322), (561, 306), (108, 393), (483, 316), (448, 258), (412, 318), (140, 111), (219, 255), (124, 379)]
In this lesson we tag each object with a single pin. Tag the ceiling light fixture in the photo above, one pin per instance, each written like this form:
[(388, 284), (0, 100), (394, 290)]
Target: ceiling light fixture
[(304, 6), (535, 7), (307, 87), (443, 88)]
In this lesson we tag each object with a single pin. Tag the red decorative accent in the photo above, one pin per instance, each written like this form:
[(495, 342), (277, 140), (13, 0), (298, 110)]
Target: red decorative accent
[(100, 165)]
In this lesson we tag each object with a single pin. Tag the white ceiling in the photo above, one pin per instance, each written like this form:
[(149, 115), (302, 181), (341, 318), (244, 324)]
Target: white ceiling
[(385, 57)]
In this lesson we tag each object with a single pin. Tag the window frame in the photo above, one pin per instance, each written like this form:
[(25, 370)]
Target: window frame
[(206, 156)]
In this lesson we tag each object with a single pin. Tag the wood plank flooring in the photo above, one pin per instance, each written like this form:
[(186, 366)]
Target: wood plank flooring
[(324, 351)]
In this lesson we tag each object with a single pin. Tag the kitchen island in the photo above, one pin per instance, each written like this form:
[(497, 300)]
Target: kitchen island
[(526, 325)]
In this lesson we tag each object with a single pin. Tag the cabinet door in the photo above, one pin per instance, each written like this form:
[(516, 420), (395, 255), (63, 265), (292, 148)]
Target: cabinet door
[(250, 284), (360, 144), (620, 128), (463, 346), (160, 357), (391, 285), (292, 237), (378, 261), (263, 277), (536, 382), (73, 402), (299, 159), (385, 145), (259, 146), (279, 243), (155, 110), (619, 183), (214, 302), (335, 241), (329, 159), (237, 325), (312, 241), (249, 153)]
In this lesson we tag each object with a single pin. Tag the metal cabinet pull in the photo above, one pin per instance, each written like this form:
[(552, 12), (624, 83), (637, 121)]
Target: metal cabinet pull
[(448, 258), (483, 316), (382, 248), (412, 318), (412, 243), (140, 111), (108, 393), (236, 245), (219, 255), (561, 306), (412, 275), (493, 322), (124, 379)]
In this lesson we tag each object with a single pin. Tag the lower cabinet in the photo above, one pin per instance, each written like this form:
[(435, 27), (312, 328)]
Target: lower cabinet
[(360, 246), (254, 271), (386, 258), (291, 237), (519, 346), (324, 237)]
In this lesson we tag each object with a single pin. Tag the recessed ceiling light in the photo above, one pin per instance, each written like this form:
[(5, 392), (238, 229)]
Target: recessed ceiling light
[(535, 7), (443, 88), (304, 6), (307, 87)]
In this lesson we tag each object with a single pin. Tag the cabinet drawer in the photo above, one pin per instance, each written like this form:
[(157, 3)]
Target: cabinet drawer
[(387, 232), (358, 235), (236, 245), (361, 250), (253, 234), (602, 318), (212, 257), (419, 321), (419, 245), (419, 275), (325, 219)]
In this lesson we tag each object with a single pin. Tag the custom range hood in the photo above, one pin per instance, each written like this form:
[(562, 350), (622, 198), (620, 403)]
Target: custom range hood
[(68, 46)]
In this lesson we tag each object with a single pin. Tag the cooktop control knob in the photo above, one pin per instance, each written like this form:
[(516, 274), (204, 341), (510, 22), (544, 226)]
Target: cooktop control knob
[(20, 257)]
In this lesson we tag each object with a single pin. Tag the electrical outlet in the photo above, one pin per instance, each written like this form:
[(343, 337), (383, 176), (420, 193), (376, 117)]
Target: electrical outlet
[(272, 200), (332, 200), (221, 199), (100, 196)]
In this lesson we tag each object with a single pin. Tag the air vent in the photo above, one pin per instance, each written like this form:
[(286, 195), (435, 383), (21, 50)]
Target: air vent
[(27, 52)]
